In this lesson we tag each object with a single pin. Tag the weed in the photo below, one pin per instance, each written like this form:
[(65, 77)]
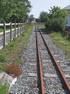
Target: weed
[(23, 34), (12, 44), (14, 39), (69, 60), (13, 69), (2, 58), (4, 88), (2, 68), (61, 41)]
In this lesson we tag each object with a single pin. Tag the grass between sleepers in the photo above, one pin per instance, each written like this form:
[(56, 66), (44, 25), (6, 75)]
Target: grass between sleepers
[(14, 50)]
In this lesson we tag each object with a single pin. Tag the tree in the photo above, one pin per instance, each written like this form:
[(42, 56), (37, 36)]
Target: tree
[(56, 12), (31, 18), (37, 20), (14, 10), (56, 19), (42, 16)]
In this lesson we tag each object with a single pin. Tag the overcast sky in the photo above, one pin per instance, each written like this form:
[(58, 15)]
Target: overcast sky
[(44, 5)]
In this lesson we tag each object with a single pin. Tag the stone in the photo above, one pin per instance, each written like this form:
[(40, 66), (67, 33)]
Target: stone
[(32, 60), (5, 78), (34, 85)]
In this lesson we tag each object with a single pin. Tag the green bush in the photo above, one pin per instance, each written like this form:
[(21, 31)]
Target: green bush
[(22, 34), (4, 88), (14, 39), (12, 45), (2, 58), (56, 24)]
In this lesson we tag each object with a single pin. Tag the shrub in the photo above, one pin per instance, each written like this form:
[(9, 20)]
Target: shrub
[(4, 88), (13, 69), (56, 24), (12, 45), (22, 34), (2, 58), (14, 39)]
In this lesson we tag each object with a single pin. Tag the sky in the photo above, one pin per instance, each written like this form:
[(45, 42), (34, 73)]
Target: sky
[(44, 5)]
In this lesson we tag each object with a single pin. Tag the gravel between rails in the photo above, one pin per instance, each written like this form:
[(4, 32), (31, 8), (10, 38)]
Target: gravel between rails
[(28, 82)]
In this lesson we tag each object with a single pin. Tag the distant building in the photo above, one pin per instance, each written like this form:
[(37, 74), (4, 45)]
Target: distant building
[(68, 16)]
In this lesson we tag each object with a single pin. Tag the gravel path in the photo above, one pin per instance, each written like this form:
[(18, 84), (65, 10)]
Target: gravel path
[(29, 82)]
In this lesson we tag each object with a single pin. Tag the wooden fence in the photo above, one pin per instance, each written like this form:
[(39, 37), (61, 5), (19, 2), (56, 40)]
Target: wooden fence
[(65, 33), (16, 31)]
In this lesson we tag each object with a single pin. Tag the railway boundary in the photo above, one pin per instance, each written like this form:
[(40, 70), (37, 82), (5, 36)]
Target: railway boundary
[(66, 32), (12, 33)]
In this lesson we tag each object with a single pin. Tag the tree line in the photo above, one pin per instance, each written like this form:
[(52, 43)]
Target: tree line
[(14, 10)]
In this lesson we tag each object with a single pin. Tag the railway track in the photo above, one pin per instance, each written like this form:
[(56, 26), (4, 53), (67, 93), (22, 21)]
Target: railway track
[(45, 62), (41, 72)]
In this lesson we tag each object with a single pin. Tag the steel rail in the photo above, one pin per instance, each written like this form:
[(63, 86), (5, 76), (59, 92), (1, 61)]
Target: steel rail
[(40, 66), (58, 67)]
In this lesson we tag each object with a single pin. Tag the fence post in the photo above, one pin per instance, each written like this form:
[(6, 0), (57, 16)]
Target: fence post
[(11, 32), (18, 30), (4, 35), (21, 27), (15, 30)]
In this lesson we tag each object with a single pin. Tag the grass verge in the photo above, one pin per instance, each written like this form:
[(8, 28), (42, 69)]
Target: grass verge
[(61, 41), (14, 51), (4, 88)]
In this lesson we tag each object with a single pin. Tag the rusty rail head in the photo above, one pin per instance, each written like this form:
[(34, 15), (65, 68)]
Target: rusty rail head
[(40, 66), (60, 71)]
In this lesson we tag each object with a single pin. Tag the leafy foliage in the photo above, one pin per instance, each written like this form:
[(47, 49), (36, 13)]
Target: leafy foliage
[(55, 24), (42, 16), (2, 58), (31, 18), (4, 88), (56, 19), (14, 10)]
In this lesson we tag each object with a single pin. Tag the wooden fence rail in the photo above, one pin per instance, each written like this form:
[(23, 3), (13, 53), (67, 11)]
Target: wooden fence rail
[(65, 33), (13, 33)]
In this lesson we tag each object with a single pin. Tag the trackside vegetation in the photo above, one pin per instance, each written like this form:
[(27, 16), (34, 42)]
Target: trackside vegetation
[(55, 20), (14, 10), (13, 53), (60, 40)]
